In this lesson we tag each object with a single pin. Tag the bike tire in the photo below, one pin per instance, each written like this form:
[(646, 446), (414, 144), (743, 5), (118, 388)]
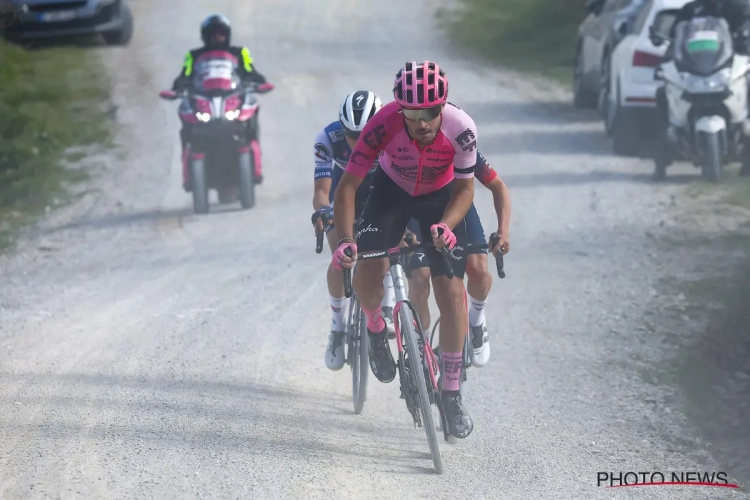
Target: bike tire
[(416, 367), (199, 185), (358, 353)]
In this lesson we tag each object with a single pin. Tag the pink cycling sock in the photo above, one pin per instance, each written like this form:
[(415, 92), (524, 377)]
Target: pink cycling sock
[(375, 322), (452, 362)]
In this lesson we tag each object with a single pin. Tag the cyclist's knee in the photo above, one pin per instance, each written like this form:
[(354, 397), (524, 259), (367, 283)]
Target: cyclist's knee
[(419, 284), (370, 272), (476, 266), (448, 293)]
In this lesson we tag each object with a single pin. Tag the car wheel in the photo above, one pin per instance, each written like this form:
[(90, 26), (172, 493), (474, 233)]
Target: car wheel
[(582, 98), (621, 127), (604, 83), (123, 36)]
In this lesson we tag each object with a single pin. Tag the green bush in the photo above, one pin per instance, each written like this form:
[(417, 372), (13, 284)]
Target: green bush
[(531, 35), (50, 100)]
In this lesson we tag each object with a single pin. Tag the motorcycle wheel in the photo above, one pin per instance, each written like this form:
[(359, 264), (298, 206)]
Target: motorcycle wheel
[(712, 168), (199, 186), (247, 180)]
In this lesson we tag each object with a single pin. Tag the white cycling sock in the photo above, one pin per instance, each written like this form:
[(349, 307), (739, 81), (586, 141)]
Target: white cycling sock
[(338, 312), (389, 299), (476, 311)]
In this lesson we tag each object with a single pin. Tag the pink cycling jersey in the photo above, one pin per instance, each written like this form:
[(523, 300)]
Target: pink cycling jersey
[(418, 171)]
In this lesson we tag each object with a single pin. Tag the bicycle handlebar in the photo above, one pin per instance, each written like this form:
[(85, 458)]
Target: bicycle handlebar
[(347, 276), (327, 221), (494, 239)]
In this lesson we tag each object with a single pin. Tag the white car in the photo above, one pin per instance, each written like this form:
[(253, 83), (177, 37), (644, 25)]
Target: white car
[(631, 93)]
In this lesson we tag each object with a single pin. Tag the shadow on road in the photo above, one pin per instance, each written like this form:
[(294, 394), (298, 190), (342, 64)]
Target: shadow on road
[(133, 218), (550, 179), (709, 335), (528, 112), (183, 414)]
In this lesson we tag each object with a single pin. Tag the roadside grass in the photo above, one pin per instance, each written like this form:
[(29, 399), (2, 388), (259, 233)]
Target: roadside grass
[(53, 112), (528, 35)]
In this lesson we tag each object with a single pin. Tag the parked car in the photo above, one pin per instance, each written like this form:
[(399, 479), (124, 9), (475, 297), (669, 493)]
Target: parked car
[(631, 93), (598, 35), (45, 19)]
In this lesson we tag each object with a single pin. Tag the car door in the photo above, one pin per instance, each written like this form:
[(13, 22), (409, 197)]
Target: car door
[(595, 40)]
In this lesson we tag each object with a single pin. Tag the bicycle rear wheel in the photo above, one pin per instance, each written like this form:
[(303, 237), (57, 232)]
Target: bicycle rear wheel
[(358, 354), (416, 369)]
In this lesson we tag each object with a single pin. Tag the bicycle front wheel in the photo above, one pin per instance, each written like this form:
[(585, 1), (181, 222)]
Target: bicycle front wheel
[(417, 369), (358, 354)]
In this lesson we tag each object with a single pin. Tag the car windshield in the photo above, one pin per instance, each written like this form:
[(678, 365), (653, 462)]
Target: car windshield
[(702, 45), (216, 72)]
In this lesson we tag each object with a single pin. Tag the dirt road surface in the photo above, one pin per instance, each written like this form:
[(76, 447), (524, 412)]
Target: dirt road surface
[(149, 353)]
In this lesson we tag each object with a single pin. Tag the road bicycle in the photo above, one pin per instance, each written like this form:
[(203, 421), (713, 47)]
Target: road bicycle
[(417, 362), (356, 339)]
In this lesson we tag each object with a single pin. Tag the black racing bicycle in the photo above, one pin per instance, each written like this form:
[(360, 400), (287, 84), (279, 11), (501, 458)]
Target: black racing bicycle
[(417, 365)]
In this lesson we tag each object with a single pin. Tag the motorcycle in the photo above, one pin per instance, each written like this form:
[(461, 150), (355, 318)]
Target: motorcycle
[(705, 89), (223, 152)]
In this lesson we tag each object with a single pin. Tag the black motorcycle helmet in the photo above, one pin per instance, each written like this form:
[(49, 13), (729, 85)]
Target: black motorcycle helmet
[(213, 25)]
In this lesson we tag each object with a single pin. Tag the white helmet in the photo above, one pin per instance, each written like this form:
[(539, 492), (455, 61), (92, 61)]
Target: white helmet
[(358, 108)]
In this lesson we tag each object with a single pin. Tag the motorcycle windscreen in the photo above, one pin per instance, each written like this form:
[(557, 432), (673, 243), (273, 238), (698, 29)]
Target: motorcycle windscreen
[(703, 45), (216, 71)]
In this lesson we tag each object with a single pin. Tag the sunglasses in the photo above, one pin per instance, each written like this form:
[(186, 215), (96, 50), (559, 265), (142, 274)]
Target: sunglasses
[(426, 114)]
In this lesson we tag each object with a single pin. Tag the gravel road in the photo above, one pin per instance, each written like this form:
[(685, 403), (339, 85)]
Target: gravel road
[(149, 353)]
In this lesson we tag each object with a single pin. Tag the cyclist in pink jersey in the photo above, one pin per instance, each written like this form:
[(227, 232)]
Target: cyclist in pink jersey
[(426, 172)]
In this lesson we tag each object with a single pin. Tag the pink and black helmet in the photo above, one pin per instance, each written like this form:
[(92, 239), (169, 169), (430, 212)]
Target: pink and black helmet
[(420, 85)]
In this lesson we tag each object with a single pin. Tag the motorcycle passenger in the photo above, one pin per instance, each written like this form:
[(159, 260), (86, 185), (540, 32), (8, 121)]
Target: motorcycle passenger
[(216, 34), (426, 152), (480, 279), (332, 149), (737, 15)]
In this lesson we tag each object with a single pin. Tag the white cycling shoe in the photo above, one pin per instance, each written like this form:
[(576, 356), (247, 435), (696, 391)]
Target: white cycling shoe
[(480, 341), (335, 351)]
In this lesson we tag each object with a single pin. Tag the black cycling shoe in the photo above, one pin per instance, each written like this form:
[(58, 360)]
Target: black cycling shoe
[(381, 359), (459, 422)]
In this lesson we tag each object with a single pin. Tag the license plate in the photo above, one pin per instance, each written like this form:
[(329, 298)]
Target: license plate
[(57, 16)]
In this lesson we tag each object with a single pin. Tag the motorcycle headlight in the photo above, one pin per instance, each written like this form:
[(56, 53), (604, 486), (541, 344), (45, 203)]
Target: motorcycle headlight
[(717, 82), (202, 117), (232, 115)]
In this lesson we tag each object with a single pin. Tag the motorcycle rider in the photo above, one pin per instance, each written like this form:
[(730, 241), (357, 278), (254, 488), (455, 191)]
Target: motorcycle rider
[(216, 33), (737, 15), (332, 149)]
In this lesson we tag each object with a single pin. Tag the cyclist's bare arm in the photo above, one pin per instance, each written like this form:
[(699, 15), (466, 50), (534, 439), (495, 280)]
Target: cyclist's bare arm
[(320, 195), (501, 197), (346, 191), (460, 202), (323, 161)]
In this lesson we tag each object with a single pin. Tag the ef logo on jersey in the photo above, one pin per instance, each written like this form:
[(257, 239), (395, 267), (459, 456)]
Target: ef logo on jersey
[(467, 140)]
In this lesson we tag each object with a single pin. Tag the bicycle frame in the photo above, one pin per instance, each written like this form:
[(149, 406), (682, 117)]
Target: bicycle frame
[(399, 286)]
